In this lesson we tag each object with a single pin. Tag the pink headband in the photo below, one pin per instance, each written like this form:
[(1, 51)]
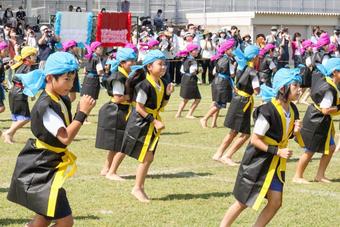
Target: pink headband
[(323, 40), (3, 45), (266, 48), (133, 47), (67, 45), (90, 49)]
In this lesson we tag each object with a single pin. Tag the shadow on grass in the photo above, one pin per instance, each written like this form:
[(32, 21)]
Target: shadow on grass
[(5, 120), (194, 196), (335, 180), (172, 175), (92, 217), (3, 190), (11, 221), (174, 133)]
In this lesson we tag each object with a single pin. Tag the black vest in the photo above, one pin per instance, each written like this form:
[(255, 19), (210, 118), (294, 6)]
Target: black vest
[(244, 78), (115, 76), (319, 89), (37, 128)]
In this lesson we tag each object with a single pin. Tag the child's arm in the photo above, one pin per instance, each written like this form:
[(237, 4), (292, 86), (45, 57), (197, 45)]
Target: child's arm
[(258, 142), (66, 135), (141, 110)]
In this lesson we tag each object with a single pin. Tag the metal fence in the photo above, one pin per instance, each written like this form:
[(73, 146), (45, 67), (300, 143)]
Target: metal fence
[(175, 10)]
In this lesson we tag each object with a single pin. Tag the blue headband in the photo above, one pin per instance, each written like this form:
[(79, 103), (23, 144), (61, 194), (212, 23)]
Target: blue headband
[(123, 54), (56, 64), (243, 58), (150, 57), (283, 77), (331, 65)]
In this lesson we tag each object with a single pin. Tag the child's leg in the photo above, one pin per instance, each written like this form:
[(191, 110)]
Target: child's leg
[(210, 113), (142, 170), (117, 160), (301, 166), (228, 139), (9, 133), (39, 221), (233, 212), (181, 107), (214, 119), (273, 205), (107, 163), (324, 162), (238, 143), (64, 222), (193, 108)]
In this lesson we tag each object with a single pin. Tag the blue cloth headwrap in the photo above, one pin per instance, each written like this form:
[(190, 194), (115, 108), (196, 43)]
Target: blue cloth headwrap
[(331, 65), (150, 57), (243, 58), (123, 54), (283, 77), (57, 63)]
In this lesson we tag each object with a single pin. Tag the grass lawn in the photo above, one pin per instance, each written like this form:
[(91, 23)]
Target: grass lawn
[(187, 188)]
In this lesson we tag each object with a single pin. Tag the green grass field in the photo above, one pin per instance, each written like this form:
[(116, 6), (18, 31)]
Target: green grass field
[(187, 188)]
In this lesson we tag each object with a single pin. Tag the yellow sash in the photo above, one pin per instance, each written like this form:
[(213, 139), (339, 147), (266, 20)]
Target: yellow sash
[(250, 102)]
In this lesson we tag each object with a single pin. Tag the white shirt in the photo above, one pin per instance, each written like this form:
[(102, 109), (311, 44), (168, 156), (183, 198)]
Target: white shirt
[(52, 121), (255, 83), (209, 51), (325, 59), (272, 65), (118, 88), (327, 100), (192, 69)]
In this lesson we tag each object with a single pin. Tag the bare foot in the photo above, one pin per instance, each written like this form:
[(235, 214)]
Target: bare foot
[(7, 138), (190, 117), (104, 172), (322, 180), (140, 195), (300, 180), (228, 161), (114, 177), (214, 126), (178, 115), (203, 123), (216, 157)]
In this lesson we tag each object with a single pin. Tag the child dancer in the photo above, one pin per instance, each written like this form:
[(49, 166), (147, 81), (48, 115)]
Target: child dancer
[(262, 170), (41, 167), (112, 116), (267, 64), (18, 101), (318, 127), (189, 88), (93, 70), (144, 124), (238, 116), (71, 47), (222, 85)]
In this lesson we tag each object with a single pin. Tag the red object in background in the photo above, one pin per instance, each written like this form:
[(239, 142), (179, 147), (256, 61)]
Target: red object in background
[(113, 29)]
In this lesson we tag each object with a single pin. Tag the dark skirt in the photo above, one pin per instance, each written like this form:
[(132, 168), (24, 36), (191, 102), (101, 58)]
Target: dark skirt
[(111, 126), (139, 137), (315, 129), (18, 102), (91, 86), (306, 79), (189, 87), (222, 91), (236, 119), (32, 181), (76, 84)]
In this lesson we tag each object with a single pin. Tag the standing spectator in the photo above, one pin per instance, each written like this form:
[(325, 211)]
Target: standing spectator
[(125, 6), (208, 50), (316, 34), (31, 39), (78, 9), (7, 29), (13, 44), (235, 34), (174, 66), (21, 16), (335, 38), (9, 18), (46, 45), (222, 37), (158, 20), (283, 58), (272, 37), (297, 49), (103, 10), (70, 8), (246, 41)]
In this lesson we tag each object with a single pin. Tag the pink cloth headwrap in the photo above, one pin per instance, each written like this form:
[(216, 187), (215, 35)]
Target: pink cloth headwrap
[(90, 49), (332, 48), (133, 47), (69, 44), (266, 48), (226, 45), (3, 45), (323, 40), (190, 47), (307, 43)]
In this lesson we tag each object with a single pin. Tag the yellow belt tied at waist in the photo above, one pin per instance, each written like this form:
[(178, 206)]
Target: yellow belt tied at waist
[(250, 102), (113, 99), (331, 131), (61, 174), (271, 171), (156, 115)]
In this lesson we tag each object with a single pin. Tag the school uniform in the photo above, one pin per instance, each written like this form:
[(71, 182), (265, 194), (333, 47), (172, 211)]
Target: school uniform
[(140, 135), (189, 87), (238, 115), (112, 118), (222, 85), (306, 74), (41, 166), (261, 171), (318, 129), (91, 83), (18, 101)]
